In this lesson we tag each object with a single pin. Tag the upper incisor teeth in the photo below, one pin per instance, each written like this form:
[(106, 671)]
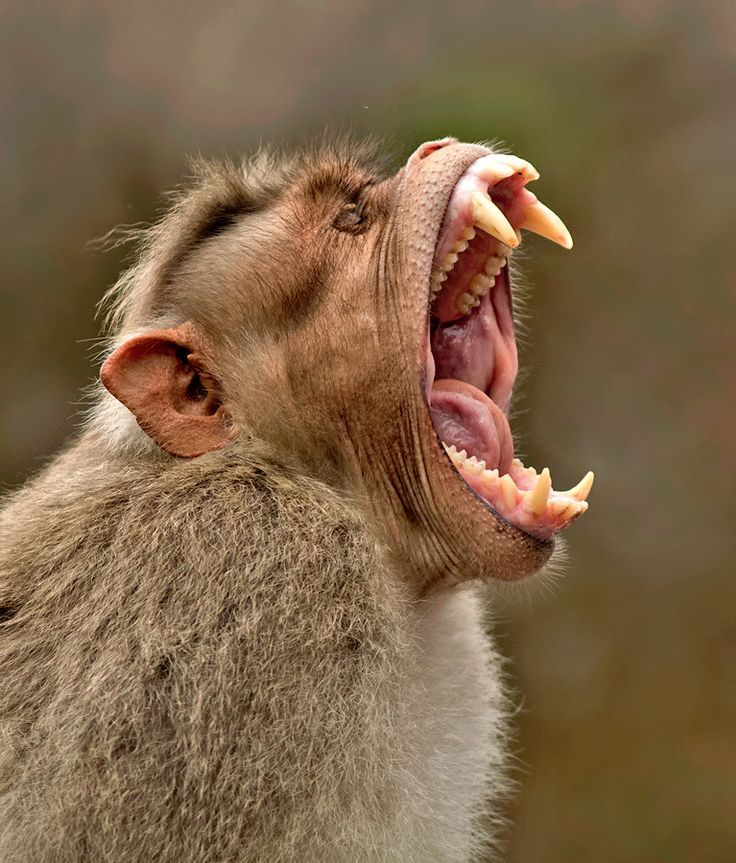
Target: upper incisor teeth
[(526, 169), (539, 219), (490, 218)]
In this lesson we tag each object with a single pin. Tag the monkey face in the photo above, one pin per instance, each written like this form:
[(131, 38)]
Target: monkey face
[(362, 325)]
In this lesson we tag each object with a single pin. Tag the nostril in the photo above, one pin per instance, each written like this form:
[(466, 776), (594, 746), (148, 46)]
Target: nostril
[(430, 147)]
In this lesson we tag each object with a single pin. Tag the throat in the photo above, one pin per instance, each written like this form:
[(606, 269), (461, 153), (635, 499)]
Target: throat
[(475, 363)]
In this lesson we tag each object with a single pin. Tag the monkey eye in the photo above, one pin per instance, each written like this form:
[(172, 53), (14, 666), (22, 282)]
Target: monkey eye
[(352, 217)]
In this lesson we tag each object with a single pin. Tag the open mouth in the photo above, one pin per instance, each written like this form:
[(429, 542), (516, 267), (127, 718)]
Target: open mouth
[(471, 360)]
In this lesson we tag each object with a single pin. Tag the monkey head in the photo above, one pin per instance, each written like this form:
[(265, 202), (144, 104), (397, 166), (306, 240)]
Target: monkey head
[(360, 323)]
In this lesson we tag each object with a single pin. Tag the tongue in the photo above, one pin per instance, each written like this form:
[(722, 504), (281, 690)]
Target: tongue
[(466, 418)]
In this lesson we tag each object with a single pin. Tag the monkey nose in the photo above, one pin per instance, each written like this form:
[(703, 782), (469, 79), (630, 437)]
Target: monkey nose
[(429, 147)]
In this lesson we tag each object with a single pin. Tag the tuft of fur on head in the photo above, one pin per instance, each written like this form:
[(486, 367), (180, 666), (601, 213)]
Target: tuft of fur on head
[(214, 196)]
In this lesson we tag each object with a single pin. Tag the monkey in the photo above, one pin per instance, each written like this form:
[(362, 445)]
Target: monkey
[(242, 612)]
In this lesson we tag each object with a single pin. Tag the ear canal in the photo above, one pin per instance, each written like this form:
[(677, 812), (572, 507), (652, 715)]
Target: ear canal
[(163, 379)]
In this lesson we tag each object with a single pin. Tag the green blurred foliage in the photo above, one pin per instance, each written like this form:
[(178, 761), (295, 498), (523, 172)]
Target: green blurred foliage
[(627, 669)]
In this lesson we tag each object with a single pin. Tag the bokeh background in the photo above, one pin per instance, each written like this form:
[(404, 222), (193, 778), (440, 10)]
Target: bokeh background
[(626, 670)]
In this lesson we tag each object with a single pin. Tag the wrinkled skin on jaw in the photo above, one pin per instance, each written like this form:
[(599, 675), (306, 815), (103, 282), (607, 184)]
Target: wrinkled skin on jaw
[(317, 324)]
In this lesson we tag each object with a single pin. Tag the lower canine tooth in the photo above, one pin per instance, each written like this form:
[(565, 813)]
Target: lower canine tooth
[(582, 489), (536, 498)]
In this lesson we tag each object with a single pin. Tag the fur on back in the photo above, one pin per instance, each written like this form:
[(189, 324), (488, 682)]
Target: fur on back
[(215, 661)]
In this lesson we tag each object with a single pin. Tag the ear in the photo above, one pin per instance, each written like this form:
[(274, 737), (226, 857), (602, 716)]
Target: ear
[(161, 377)]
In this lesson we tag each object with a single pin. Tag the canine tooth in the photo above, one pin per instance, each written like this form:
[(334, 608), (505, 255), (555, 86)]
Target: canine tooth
[(508, 489), (539, 219), (490, 218), (480, 285), (582, 489), (536, 498)]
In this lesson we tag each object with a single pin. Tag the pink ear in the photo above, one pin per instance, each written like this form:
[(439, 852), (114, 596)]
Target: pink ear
[(160, 378)]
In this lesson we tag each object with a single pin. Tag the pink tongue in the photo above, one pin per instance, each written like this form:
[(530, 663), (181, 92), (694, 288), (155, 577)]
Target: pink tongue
[(466, 418)]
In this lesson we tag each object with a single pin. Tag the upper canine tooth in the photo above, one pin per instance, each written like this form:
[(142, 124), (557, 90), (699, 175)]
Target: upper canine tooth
[(582, 489), (536, 498), (541, 220), (490, 218)]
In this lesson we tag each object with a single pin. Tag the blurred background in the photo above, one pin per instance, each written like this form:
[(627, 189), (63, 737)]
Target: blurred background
[(626, 670)]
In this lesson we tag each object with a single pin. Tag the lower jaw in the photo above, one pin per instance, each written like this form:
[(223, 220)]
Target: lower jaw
[(522, 496)]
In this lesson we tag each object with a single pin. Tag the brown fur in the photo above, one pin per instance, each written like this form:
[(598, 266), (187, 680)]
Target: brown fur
[(249, 655)]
